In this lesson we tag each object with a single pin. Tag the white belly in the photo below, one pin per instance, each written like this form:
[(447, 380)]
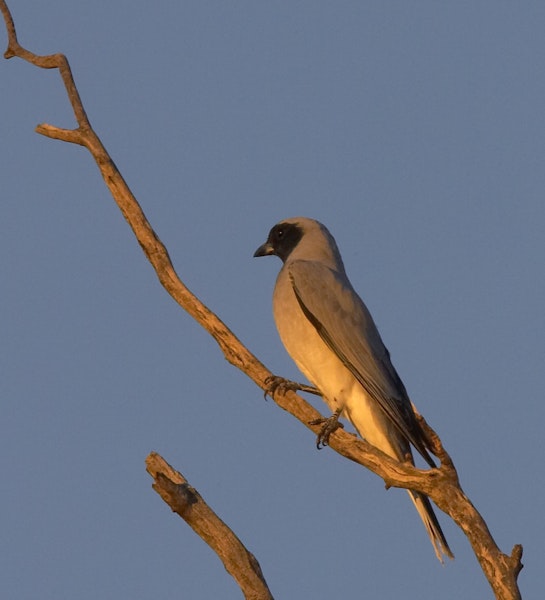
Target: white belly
[(322, 368)]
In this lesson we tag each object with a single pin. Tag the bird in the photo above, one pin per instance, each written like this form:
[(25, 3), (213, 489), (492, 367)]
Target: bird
[(330, 334)]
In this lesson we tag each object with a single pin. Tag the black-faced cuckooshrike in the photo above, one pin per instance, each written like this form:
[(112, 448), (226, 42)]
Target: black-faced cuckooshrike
[(328, 331)]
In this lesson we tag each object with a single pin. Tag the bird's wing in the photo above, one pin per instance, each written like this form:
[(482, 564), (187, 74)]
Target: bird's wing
[(342, 320)]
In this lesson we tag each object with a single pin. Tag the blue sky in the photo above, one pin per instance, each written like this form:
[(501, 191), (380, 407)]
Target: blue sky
[(415, 131)]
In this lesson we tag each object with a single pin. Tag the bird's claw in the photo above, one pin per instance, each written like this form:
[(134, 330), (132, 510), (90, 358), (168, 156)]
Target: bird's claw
[(279, 384), (329, 425)]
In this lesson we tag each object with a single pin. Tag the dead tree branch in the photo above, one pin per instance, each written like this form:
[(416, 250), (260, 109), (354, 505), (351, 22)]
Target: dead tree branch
[(441, 485), (185, 501)]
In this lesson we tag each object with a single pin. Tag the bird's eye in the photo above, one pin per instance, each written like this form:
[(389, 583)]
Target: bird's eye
[(280, 233)]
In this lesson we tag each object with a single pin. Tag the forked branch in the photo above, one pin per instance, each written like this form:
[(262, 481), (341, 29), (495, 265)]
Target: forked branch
[(441, 484)]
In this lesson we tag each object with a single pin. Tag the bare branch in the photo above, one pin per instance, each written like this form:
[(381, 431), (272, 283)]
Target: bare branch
[(51, 61), (185, 501), (441, 484)]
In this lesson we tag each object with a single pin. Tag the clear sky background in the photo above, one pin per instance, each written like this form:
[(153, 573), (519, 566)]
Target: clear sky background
[(416, 132)]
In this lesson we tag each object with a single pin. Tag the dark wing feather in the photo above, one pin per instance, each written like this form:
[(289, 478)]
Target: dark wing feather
[(342, 320)]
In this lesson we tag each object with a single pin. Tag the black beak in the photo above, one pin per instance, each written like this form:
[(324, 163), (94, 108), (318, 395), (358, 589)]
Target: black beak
[(265, 249)]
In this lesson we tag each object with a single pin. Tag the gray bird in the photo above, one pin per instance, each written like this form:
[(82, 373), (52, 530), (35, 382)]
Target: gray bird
[(329, 333)]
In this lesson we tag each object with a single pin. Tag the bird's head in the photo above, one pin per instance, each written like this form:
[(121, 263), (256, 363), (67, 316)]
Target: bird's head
[(301, 238)]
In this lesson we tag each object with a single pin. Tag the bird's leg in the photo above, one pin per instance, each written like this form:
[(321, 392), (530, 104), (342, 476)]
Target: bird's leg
[(279, 384), (329, 425)]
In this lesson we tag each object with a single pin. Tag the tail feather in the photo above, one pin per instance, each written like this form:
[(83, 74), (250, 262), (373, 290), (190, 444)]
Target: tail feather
[(427, 514), (374, 427)]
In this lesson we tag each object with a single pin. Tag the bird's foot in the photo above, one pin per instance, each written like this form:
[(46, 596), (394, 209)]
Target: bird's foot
[(329, 425), (279, 384)]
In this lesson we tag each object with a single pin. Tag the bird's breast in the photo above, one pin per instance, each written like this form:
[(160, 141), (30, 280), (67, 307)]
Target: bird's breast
[(305, 346), (326, 371)]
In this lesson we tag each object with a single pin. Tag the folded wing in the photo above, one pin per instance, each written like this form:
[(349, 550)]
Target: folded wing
[(342, 320)]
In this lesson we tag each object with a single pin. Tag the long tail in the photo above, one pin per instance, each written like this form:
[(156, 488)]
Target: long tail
[(372, 425), (425, 510)]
